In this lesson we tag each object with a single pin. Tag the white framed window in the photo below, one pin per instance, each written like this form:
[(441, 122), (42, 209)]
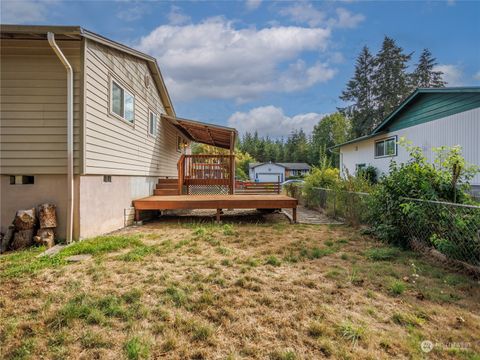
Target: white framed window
[(122, 102), (386, 147), (152, 123)]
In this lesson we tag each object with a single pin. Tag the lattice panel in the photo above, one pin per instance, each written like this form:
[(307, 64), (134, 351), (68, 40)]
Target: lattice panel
[(208, 190)]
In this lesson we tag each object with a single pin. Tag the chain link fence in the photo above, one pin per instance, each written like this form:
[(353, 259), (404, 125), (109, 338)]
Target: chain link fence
[(450, 232)]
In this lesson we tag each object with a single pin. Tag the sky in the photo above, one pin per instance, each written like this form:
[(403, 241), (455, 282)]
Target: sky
[(269, 66)]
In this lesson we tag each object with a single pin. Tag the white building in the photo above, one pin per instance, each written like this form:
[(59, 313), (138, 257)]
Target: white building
[(276, 172), (428, 118)]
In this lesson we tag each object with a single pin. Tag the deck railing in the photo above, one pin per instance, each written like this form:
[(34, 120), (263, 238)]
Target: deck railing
[(214, 173)]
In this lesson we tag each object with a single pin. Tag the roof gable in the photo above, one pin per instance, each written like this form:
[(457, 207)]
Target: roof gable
[(426, 105)]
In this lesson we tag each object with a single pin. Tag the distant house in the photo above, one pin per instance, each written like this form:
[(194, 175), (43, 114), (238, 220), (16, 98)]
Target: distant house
[(276, 172), (87, 124), (429, 118)]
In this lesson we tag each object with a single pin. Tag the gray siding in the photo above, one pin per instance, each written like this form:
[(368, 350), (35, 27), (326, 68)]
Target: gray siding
[(113, 146), (33, 112)]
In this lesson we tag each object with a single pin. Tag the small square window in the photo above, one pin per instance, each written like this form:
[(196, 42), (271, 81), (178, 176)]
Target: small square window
[(22, 180), (107, 178)]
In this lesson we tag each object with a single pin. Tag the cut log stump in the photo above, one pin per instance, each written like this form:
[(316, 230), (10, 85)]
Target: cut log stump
[(7, 239), (25, 219), (45, 237), (22, 239), (47, 216)]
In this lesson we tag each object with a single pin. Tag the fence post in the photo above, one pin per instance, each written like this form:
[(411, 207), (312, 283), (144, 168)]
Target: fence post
[(334, 203)]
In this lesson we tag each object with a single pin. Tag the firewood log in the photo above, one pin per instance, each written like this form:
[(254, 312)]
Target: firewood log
[(47, 216), (22, 239), (7, 239), (25, 219), (45, 237)]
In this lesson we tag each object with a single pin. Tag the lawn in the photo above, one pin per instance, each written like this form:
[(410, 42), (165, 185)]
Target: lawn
[(235, 291)]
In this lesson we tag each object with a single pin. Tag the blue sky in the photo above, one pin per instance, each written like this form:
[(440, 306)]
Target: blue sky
[(265, 65)]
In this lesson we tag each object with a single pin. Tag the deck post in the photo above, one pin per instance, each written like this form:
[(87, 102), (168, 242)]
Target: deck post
[(137, 215), (218, 215), (294, 215)]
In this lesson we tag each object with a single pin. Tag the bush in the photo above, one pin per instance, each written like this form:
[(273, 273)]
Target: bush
[(369, 174), (319, 177), (447, 179)]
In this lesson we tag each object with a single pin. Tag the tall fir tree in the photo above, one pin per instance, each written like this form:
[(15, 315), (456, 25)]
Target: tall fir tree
[(391, 80), (359, 92), (424, 75)]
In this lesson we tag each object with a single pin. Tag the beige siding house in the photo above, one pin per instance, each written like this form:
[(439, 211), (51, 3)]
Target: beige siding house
[(121, 142)]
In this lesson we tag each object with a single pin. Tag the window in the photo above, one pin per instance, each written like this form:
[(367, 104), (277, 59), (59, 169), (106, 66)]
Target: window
[(386, 147), (107, 178), (122, 102), (179, 144), (152, 123), (22, 180)]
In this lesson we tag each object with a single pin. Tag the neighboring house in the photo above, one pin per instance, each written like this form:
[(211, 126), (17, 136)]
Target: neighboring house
[(276, 172), (428, 118), (93, 149)]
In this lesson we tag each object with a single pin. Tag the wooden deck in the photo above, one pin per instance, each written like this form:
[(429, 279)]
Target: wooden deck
[(217, 202)]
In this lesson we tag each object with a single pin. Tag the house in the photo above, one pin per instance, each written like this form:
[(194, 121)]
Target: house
[(276, 172), (88, 124), (428, 118)]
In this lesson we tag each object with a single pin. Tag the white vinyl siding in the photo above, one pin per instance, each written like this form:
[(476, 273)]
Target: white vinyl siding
[(33, 111), (114, 147)]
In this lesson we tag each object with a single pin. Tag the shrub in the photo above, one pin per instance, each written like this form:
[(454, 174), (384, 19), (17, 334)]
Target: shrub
[(368, 173), (323, 177)]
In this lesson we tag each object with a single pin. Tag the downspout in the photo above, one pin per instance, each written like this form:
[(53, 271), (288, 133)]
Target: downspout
[(68, 67)]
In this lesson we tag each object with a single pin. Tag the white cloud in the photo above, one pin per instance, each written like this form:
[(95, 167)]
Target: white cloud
[(477, 76), (24, 11), (176, 17), (271, 121), (131, 13), (305, 12), (452, 74), (213, 59), (346, 19), (252, 4)]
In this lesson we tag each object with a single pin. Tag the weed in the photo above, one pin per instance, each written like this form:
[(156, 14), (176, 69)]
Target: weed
[(283, 355), (177, 296), (407, 319), (228, 230), (397, 287), (132, 296), (272, 260), (352, 332), (137, 348)]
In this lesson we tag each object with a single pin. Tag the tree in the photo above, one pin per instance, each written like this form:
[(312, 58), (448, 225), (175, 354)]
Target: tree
[(391, 81), (424, 75), (331, 130), (359, 92)]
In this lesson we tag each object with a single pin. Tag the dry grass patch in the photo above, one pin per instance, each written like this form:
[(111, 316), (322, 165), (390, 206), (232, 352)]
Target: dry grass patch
[(235, 291)]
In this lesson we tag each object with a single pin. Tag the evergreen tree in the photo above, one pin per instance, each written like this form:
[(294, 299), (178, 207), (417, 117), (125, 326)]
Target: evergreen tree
[(391, 80), (424, 76), (359, 92)]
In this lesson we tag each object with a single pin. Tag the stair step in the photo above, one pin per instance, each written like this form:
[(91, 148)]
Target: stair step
[(165, 192), (167, 181), (167, 186)]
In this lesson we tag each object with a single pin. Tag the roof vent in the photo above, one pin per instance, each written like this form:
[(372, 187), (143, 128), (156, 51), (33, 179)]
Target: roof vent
[(146, 80)]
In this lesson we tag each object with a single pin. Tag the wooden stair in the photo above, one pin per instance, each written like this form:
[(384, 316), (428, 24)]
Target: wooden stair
[(166, 187)]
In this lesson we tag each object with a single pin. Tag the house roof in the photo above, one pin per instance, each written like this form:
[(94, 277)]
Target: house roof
[(39, 32), (288, 166), (205, 133), (383, 126)]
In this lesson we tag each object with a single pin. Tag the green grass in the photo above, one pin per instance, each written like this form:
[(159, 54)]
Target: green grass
[(27, 262), (283, 355), (397, 287), (137, 348), (382, 254), (176, 295), (273, 260), (139, 252), (352, 332), (94, 340), (407, 319)]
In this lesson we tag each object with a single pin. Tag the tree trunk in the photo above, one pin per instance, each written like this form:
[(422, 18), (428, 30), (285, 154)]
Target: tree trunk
[(25, 219), (22, 239), (7, 239), (47, 216)]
